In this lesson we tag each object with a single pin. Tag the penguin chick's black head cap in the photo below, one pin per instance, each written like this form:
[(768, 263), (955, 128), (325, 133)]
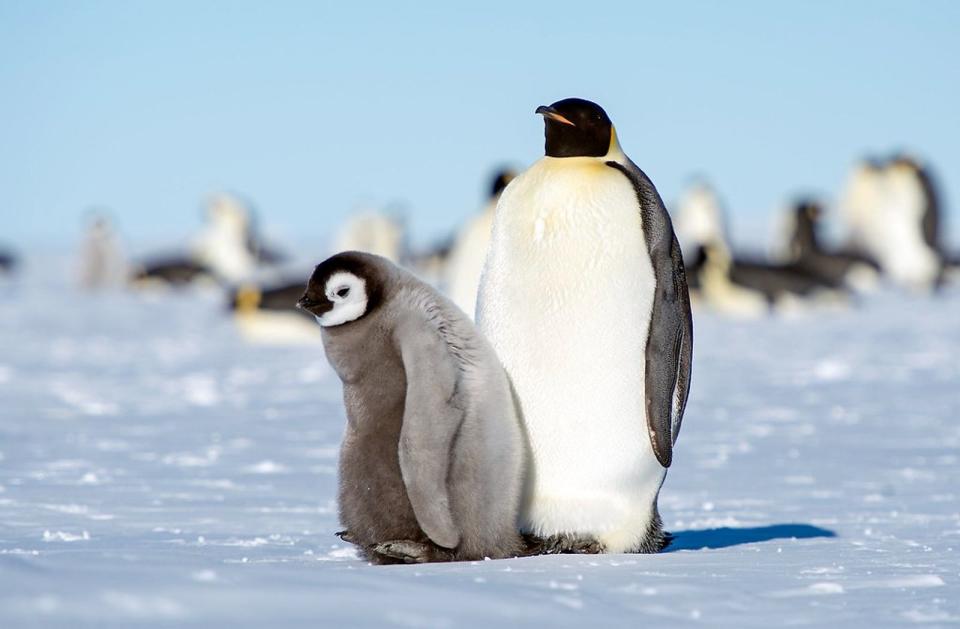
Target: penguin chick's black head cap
[(576, 128), (362, 265)]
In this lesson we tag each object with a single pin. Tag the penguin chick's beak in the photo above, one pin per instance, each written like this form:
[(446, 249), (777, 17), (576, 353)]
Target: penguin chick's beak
[(316, 307), (552, 114), (305, 303)]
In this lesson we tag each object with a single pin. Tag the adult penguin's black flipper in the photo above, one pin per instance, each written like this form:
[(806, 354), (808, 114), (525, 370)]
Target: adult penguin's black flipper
[(669, 351)]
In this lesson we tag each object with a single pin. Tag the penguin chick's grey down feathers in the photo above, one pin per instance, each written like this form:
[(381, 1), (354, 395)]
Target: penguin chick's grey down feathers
[(433, 457)]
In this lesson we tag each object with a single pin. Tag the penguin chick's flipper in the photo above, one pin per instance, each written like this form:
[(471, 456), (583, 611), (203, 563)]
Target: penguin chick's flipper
[(431, 420), (409, 551), (346, 536)]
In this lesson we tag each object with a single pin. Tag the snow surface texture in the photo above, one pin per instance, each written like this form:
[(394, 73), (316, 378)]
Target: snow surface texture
[(154, 469)]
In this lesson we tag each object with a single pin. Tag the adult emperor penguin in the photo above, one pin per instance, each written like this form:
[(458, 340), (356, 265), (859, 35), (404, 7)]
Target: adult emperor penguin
[(433, 457), (379, 233), (890, 217), (585, 300), (228, 250), (223, 246), (699, 219), (699, 222), (469, 252)]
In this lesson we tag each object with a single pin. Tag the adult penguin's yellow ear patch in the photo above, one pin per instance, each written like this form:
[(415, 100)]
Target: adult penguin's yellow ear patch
[(614, 142), (248, 298)]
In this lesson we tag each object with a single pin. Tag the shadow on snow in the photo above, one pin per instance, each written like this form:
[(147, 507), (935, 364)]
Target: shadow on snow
[(724, 537)]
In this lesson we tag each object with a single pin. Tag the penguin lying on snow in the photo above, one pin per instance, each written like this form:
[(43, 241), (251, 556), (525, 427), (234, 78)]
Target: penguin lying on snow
[(268, 314), (754, 287), (709, 270), (584, 298), (172, 270), (806, 252), (432, 461)]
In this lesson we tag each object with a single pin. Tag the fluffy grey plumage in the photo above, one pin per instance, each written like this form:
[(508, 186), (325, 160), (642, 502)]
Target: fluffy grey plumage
[(432, 461)]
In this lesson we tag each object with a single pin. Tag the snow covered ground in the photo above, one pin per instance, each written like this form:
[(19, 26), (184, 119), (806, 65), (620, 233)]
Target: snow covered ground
[(155, 469)]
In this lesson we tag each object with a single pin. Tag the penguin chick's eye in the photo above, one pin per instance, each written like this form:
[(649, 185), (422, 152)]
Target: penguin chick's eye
[(343, 292)]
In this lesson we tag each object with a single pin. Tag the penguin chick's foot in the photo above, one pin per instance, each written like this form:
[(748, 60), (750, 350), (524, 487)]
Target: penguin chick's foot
[(409, 551), (563, 543)]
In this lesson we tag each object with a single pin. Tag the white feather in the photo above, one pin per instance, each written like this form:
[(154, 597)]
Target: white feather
[(346, 307)]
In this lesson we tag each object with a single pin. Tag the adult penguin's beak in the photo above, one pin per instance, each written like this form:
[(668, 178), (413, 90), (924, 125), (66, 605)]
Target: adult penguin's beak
[(553, 114)]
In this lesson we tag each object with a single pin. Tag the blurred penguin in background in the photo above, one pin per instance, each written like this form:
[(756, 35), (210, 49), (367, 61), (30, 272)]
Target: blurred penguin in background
[(430, 264), (173, 270), (699, 218), (223, 245), (227, 251), (734, 284), (469, 252), (8, 261), (933, 214), (709, 271), (804, 248), (268, 314), (102, 262), (699, 222), (373, 232), (892, 213), (264, 253), (751, 288)]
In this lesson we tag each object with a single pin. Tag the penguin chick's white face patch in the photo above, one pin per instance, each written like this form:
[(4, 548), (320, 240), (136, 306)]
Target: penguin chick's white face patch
[(349, 296)]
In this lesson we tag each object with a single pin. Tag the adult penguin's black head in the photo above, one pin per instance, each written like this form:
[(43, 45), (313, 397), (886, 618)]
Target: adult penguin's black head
[(576, 128), (500, 180)]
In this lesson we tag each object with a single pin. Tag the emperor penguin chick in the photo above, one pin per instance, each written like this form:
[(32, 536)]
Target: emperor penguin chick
[(584, 297), (433, 457)]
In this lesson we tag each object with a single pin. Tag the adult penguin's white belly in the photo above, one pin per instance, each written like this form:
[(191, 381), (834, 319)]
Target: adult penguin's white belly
[(566, 301)]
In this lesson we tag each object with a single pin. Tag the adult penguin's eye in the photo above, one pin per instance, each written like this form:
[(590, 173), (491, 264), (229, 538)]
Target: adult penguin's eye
[(343, 292)]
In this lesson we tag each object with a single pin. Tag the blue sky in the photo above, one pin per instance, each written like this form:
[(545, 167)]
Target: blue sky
[(310, 109)]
